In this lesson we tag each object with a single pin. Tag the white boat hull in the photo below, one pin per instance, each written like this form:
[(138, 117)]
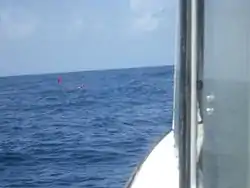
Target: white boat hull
[(160, 168)]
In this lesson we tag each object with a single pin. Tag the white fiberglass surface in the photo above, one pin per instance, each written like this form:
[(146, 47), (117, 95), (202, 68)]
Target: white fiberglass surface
[(225, 152), (160, 169)]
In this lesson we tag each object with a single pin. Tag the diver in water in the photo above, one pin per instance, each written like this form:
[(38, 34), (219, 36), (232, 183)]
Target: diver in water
[(81, 86)]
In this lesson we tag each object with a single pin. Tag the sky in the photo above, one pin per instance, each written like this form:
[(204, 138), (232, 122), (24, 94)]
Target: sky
[(45, 36)]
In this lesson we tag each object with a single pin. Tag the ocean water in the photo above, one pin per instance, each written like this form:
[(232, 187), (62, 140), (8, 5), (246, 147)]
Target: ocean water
[(55, 135)]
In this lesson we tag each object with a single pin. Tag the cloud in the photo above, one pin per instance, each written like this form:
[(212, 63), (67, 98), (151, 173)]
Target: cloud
[(74, 26), (148, 14), (145, 23), (141, 7), (16, 24)]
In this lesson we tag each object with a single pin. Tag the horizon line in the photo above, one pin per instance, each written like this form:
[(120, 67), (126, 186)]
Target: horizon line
[(90, 70)]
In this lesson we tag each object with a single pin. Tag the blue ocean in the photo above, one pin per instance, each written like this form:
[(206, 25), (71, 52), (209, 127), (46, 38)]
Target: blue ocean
[(62, 135)]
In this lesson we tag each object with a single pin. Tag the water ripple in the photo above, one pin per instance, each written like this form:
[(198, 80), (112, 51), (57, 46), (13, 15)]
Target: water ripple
[(61, 136)]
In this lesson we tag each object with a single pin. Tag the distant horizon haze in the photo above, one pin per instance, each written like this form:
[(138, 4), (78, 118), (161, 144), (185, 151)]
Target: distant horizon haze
[(93, 70)]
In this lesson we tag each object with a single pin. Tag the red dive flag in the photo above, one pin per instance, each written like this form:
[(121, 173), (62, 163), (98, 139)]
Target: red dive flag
[(59, 80)]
